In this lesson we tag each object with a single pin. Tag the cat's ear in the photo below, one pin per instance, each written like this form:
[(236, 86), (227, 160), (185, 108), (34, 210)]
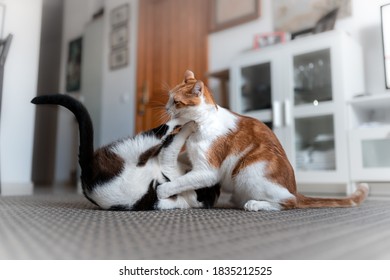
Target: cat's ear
[(198, 89), (188, 75)]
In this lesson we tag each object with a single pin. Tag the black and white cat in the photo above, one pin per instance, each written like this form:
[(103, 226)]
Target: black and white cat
[(124, 175)]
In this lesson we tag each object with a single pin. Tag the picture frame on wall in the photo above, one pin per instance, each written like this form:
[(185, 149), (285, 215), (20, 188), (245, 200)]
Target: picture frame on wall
[(302, 15), (73, 66), (325, 23), (120, 16), (119, 37), (119, 58), (228, 13)]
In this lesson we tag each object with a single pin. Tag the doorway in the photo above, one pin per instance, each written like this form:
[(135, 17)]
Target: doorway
[(172, 37)]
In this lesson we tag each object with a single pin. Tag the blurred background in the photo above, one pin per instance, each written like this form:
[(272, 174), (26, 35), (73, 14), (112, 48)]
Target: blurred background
[(120, 57)]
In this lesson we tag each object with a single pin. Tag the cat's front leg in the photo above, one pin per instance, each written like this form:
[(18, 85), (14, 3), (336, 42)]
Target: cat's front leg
[(173, 124), (168, 157), (193, 180)]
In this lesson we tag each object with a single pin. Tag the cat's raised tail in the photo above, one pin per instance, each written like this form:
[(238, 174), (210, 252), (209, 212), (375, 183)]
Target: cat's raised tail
[(354, 199), (86, 149)]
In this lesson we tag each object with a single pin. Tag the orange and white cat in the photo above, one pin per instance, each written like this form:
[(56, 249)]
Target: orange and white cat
[(240, 153)]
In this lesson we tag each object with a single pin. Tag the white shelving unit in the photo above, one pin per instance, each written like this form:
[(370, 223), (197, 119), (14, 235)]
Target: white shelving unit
[(300, 89), (369, 138)]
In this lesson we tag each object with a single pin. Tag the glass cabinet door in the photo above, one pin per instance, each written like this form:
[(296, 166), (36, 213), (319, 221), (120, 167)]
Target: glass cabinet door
[(376, 153), (256, 92), (312, 77), (256, 87), (315, 143), (370, 153), (314, 127)]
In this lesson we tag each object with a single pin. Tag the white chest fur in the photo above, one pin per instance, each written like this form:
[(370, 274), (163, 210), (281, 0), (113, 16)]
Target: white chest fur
[(211, 126)]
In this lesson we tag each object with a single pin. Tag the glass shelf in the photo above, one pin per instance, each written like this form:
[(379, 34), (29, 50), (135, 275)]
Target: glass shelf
[(312, 77), (315, 144)]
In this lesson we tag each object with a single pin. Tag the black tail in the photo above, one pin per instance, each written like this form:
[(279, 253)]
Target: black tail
[(86, 149)]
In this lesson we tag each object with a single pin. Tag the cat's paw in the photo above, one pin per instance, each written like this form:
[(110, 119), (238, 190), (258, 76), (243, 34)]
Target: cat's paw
[(255, 205), (164, 191), (190, 126)]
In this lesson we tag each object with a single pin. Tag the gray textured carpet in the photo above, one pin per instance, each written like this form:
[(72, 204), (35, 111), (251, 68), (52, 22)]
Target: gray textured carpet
[(69, 227)]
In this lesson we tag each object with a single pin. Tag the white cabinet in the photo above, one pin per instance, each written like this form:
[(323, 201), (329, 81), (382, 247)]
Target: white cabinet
[(300, 90), (369, 138)]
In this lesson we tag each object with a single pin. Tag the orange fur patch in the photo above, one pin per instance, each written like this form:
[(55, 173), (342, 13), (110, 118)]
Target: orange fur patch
[(261, 145), (183, 95)]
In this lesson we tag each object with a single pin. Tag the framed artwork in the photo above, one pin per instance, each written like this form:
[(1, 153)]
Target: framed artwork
[(298, 15), (229, 13), (120, 16), (73, 66), (327, 22), (119, 37), (118, 58)]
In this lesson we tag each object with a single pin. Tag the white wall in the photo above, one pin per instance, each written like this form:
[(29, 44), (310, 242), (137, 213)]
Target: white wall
[(363, 25), (76, 15), (118, 91), (23, 20), (119, 86), (228, 43)]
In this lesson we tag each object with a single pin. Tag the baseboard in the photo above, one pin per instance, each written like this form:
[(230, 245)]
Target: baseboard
[(322, 189), (377, 190), (380, 189), (8, 189)]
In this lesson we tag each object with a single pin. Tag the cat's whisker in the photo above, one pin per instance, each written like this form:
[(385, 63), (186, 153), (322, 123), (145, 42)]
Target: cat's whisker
[(163, 115), (157, 104), (164, 118), (165, 87), (157, 108), (160, 129), (160, 111)]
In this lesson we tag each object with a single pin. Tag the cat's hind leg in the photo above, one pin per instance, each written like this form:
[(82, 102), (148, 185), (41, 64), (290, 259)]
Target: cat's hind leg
[(253, 191)]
